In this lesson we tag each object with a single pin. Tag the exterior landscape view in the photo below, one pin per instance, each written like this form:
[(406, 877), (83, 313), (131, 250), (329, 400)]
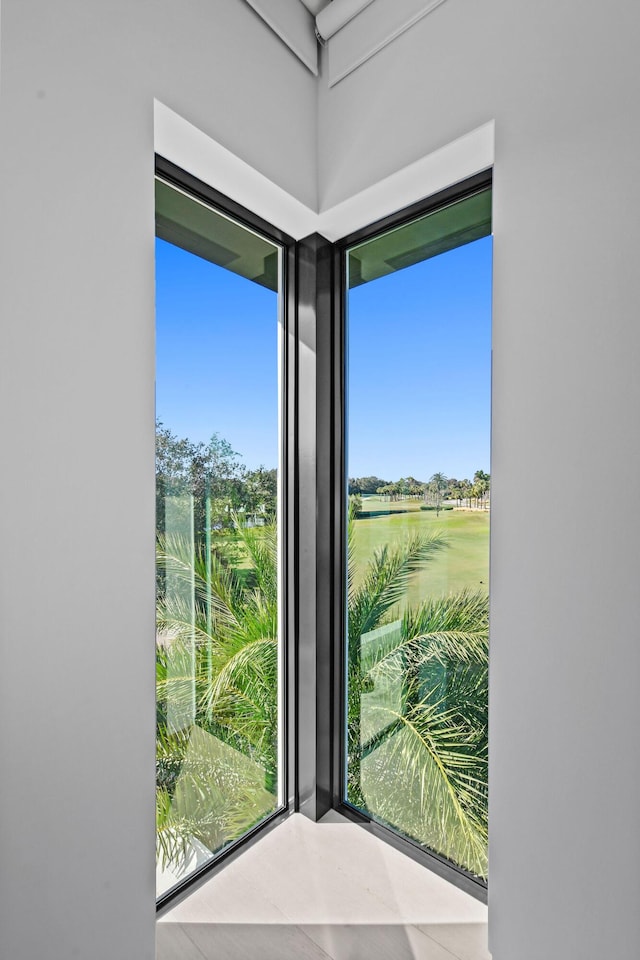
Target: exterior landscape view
[(418, 664)]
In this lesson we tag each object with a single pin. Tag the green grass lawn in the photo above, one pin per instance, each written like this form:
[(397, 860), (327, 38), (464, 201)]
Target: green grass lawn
[(463, 564)]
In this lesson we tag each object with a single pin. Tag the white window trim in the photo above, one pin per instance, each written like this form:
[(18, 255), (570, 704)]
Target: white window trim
[(188, 147)]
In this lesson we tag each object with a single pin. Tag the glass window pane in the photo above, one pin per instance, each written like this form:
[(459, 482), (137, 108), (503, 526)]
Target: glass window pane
[(218, 648), (418, 429)]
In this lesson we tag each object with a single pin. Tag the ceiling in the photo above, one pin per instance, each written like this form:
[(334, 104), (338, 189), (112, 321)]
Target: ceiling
[(315, 6), (353, 30)]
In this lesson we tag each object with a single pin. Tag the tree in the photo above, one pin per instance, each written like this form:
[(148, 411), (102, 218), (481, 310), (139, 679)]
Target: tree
[(481, 482), (466, 488), (434, 741), (206, 478), (455, 490), (216, 664), (260, 493), (437, 487), (365, 485), (416, 489)]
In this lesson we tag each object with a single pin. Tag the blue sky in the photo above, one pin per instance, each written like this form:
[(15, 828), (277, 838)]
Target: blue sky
[(420, 368), (216, 355), (419, 363)]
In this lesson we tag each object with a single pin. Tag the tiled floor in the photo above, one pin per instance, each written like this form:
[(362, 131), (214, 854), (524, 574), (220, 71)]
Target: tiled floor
[(314, 891)]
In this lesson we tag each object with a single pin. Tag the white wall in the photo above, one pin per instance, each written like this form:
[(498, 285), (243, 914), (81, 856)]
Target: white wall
[(76, 402), (561, 79), (77, 411)]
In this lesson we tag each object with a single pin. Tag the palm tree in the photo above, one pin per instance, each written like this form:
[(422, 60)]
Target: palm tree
[(437, 487), (416, 708), (216, 666), (418, 717), (481, 483), (417, 705)]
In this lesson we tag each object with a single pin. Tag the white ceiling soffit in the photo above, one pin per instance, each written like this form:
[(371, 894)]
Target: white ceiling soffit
[(294, 24), (372, 28), (337, 14), (315, 6)]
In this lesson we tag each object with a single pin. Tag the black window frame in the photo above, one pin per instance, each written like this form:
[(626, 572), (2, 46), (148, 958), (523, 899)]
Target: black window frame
[(335, 591), (314, 302), (199, 190)]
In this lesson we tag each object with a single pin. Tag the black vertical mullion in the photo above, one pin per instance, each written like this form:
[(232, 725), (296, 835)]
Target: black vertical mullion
[(315, 518), (290, 513), (339, 528)]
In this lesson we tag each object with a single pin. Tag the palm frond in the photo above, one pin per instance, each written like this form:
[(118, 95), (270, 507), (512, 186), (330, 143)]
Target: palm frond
[(244, 692), (421, 682), (211, 587), (448, 629), (386, 579), (442, 766), (261, 545), (217, 795)]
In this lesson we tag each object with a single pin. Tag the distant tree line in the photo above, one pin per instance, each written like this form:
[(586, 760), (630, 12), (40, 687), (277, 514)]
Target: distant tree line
[(433, 491)]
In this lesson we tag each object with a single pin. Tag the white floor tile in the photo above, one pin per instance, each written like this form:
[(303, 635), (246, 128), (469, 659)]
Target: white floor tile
[(414, 894), (467, 941), (234, 941), (172, 943), (229, 897), (300, 875), (373, 942)]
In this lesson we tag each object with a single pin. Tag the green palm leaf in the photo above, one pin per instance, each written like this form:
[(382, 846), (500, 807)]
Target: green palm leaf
[(441, 764), (385, 580), (217, 663)]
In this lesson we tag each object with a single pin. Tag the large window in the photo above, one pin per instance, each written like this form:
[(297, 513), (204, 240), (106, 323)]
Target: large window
[(250, 442), (418, 308), (219, 663)]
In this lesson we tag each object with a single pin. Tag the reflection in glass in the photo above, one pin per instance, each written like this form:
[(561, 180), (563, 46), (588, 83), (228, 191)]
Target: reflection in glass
[(217, 570), (418, 422)]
